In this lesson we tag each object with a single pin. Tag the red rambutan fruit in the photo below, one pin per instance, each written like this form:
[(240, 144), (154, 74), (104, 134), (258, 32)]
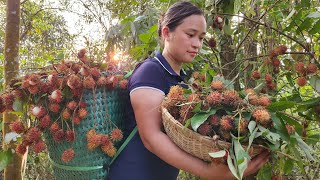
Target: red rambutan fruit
[(70, 135), (262, 116), (218, 19), (38, 111), (67, 155), (176, 93), (264, 101), (54, 107), (105, 140), (186, 112), (72, 105), (89, 83), (54, 127), (193, 97), (231, 98), (66, 114), (217, 85), (17, 126), (214, 98), (91, 133), (276, 62), (123, 84), (74, 82), (214, 120), (21, 149), (109, 149), (39, 146), (300, 68), (34, 79), (33, 134), (256, 75), (312, 68), (33, 89), (94, 142), (45, 121), (82, 113), (301, 81), (268, 78), (56, 96), (95, 72), (212, 42), (84, 71), (58, 136), (82, 104), (102, 81), (227, 123), (116, 134), (112, 81)]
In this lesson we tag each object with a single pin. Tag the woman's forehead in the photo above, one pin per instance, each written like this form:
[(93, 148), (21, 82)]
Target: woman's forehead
[(194, 23)]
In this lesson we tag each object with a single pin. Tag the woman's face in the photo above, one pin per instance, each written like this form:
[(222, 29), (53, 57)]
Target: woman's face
[(185, 42)]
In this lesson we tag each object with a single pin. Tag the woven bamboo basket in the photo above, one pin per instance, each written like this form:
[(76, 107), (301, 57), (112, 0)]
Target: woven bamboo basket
[(89, 164), (194, 143)]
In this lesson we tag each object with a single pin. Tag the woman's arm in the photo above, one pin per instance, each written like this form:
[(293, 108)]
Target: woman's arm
[(146, 105)]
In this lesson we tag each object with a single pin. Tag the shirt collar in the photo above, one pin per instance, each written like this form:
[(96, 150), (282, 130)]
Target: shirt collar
[(164, 63)]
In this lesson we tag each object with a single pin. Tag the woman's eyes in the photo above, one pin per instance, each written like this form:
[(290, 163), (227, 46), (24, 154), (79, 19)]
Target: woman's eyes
[(192, 35)]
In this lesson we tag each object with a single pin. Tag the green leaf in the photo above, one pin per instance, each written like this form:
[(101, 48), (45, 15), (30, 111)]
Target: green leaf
[(315, 82), (288, 166), (201, 117), (314, 15), (265, 172), (252, 137), (307, 149), (145, 38), (310, 102), (232, 168), (218, 154), (5, 159), (281, 105), (252, 125), (316, 28), (17, 105)]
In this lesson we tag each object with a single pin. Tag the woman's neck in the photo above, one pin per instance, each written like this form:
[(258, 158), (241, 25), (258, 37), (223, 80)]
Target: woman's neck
[(176, 66)]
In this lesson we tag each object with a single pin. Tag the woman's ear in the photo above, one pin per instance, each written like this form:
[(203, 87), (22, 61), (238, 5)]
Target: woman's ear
[(165, 32)]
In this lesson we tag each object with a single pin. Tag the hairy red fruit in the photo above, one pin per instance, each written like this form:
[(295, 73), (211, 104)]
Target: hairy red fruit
[(301, 81), (217, 85), (67, 155), (256, 75), (17, 126)]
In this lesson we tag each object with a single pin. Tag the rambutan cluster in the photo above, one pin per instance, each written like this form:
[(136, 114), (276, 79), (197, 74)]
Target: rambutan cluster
[(53, 100), (105, 141)]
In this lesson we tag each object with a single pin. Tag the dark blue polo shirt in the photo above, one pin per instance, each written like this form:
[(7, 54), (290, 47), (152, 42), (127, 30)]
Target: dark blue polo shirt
[(135, 162)]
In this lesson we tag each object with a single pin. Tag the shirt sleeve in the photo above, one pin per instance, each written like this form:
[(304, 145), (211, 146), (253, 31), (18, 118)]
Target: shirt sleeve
[(148, 75)]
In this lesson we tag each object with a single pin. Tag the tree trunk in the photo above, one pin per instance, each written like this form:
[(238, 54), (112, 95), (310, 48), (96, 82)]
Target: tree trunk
[(11, 67), (230, 69), (250, 49)]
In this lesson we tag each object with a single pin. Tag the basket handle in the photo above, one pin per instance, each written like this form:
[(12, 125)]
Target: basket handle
[(133, 132)]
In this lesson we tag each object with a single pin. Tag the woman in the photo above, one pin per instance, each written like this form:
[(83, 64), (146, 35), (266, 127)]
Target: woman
[(151, 155)]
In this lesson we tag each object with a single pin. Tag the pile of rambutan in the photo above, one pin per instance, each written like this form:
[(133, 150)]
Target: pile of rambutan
[(229, 112), (51, 101), (240, 124)]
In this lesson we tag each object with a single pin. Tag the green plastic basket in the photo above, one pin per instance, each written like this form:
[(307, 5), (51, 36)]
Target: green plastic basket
[(89, 164)]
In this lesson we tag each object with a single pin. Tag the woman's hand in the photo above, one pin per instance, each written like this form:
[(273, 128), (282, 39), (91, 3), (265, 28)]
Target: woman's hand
[(257, 162)]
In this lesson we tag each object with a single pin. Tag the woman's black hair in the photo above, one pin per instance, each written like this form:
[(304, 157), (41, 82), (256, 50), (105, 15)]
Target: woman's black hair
[(176, 14)]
